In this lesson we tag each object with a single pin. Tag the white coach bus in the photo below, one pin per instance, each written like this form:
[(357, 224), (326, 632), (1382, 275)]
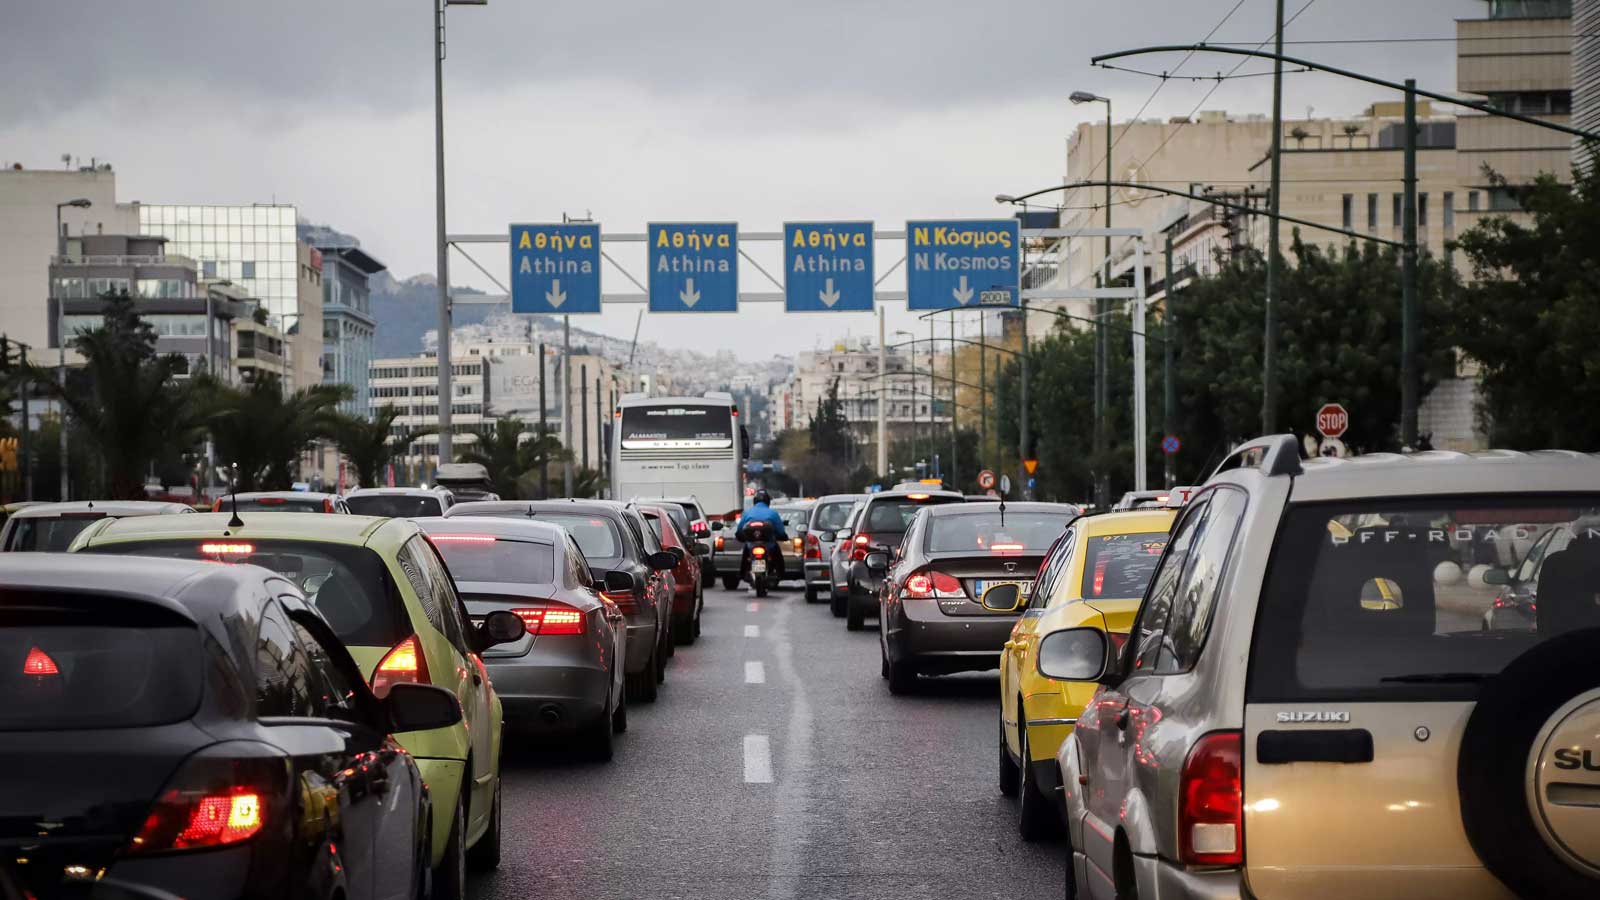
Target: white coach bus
[(680, 447)]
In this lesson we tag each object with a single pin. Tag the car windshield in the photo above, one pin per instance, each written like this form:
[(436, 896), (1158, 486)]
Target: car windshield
[(51, 535), (58, 672), (477, 557), (890, 515), (597, 536), (1119, 566), (989, 532), (831, 516), (350, 585), (1407, 600), (398, 506)]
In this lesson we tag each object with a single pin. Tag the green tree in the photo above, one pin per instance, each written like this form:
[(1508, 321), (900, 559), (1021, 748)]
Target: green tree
[(263, 431), (513, 461), (1531, 316), (127, 406), (370, 444)]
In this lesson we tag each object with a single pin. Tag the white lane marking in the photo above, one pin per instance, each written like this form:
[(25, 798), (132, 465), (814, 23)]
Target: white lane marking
[(757, 759), (753, 606), (752, 631), (755, 672)]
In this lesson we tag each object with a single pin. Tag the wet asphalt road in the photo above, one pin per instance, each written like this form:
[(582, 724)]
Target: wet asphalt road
[(859, 794)]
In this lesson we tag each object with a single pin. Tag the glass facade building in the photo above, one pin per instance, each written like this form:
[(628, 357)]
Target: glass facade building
[(348, 327), (252, 246)]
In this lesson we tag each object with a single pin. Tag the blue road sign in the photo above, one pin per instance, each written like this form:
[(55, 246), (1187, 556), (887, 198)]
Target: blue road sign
[(968, 262), (1170, 444), (555, 268), (1033, 483), (694, 267), (827, 266)]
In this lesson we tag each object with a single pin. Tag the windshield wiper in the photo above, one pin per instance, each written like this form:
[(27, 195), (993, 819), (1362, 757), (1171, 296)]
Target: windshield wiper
[(1437, 678)]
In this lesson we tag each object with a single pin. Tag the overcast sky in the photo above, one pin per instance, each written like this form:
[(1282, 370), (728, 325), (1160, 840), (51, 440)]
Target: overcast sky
[(637, 110)]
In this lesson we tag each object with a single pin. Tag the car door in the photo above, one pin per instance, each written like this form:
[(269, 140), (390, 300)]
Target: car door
[(1109, 737), (1025, 634), (580, 577), (398, 827)]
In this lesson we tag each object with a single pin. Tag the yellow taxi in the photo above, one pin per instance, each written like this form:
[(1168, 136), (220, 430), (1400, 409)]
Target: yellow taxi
[(1093, 576)]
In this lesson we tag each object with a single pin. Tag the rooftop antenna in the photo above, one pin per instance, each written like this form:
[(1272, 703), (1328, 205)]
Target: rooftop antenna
[(233, 495)]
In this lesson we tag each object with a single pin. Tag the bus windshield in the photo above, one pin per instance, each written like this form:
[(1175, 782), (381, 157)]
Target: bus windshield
[(685, 426)]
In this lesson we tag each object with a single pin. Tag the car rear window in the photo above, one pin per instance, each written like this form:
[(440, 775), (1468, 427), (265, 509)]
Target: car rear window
[(477, 557), (52, 535), (395, 506), (277, 504), (350, 585), (597, 536), (1401, 601), (1119, 566), (832, 516), (896, 514), (988, 531), (59, 671), (793, 518)]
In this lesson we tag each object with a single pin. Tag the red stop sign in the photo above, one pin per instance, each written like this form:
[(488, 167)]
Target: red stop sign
[(1332, 420)]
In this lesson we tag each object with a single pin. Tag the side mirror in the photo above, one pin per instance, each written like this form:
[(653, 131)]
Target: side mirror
[(1074, 654), (661, 561), (618, 582), (422, 707), (1497, 576), (500, 627), (842, 534), (677, 553), (802, 528), (877, 561), (701, 548), (826, 537), (1002, 598), (717, 525)]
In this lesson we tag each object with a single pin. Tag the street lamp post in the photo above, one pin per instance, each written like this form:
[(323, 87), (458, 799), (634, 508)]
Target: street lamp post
[(61, 339), (443, 347), (1101, 393)]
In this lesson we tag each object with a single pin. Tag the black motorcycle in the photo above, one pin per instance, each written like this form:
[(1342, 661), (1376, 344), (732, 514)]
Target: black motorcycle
[(762, 562)]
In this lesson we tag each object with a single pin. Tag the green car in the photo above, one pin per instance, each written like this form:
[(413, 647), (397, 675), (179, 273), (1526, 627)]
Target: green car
[(388, 595)]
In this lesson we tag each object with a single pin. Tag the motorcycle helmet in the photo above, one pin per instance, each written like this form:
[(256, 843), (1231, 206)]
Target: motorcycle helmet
[(763, 497)]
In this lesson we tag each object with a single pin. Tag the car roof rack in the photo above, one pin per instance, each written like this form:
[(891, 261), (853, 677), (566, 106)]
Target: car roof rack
[(1276, 454)]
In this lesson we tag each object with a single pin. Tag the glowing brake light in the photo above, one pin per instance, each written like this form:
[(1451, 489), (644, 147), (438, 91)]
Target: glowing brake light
[(1099, 576), (758, 551), (1006, 548), (555, 620), (1211, 804), (271, 501), (403, 663), (719, 542), (39, 663), (858, 545), (929, 585), (813, 547), (916, 496), (226, 549), (464, 539)]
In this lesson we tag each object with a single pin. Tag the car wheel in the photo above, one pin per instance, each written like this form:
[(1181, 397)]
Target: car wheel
[(668, 643), (641, 686), (599, 739), (708, 576), (662, 655), (485, 854), (855, 618), (699, 610), (730, 582), (838, 603), (1010, 778), (450, 878), (902, 678), (1036, 821), (683, 630), (812, 595)]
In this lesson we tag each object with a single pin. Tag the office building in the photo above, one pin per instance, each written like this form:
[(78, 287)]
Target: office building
[(252, 246), (304, 334), (912, 408), (348, 326)]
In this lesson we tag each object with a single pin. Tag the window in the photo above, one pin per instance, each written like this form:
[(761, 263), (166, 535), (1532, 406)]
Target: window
[(1472, 201), (1197, 595), (1119, 566), (1422, 210), (1347, 210), (1449, 212), (983, 531), (1372, 212), (332, 694), (578, 574), (501, 561), (1504, 200), (444, 590), (1050, 570), (209, 268), (1399, 206), (1150, 629), (283, 677), (247, 269)]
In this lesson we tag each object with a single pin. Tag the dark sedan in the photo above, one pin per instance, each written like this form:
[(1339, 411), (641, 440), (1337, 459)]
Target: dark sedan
[(931, 618), (564, 677), (199, 729), (613, 538), (881, 525)]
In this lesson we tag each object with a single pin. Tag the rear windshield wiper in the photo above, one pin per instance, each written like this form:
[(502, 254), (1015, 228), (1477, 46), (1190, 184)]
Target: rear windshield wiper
[(1437, 678)]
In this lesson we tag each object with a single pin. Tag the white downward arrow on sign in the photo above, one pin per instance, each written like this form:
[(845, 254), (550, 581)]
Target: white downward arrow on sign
[(962, 293), (555, 295), (828, 295), (689, 295)]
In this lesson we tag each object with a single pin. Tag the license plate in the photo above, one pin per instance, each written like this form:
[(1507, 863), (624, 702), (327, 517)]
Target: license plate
[(980, 585), (758, 567)]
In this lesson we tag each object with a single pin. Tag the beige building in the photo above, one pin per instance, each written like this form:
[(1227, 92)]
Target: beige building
[(912, 408), (304, 333)]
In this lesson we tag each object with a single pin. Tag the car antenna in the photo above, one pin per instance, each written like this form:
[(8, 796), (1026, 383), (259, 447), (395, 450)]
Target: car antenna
[(530, 510), (233, 495)]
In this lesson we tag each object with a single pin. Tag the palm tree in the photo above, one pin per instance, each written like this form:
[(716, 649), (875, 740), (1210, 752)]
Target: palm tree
[(501, 449), (126, 399), (263, 430), (367, 445)]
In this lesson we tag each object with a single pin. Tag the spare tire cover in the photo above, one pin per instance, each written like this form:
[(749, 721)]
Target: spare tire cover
[(1529, 770)]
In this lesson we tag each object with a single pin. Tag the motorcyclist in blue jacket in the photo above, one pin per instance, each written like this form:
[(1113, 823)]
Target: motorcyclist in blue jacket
[(761, 511)]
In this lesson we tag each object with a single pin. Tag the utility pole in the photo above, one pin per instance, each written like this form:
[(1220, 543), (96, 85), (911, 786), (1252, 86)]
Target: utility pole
[(1025, 437), (566, 404), (1269, 350), (955, 399), (599, 431), (27, 427), (544, 428), (446, 452), (1410, 387), (883, 401), (1169, 391), (1102, 345), (583, 410), (933, 394), (983, 391)]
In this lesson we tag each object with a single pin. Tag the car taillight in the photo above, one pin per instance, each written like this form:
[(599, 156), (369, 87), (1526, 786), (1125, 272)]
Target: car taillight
[(551, 620), (719, 542), (858, 547), (270, 501), (39, 664), (798, 544), (327, 504), (1500, 601), (813, 547), (214, 801), (929, 585), (698, 528), (1211, 804), (403, 663), (625, 601), (1007, 549)]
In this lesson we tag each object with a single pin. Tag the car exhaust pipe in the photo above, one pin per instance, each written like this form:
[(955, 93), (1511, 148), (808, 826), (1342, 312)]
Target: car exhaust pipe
[(550, 714)]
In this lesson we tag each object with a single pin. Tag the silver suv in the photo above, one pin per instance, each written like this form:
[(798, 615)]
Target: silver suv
[(1310, 705)]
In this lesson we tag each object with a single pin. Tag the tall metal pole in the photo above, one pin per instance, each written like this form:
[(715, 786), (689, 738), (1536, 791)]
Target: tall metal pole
[(1141, 428), (583, 410), (566, 404), (983, 391), (544, 427), (955, 399), (27, 428), (1409, 322), (61, 361), (1025, 437), (883, 401), (1169, 391), (1102, 348), (446, 452), (1269, 349), (933, 394), (599, 431)]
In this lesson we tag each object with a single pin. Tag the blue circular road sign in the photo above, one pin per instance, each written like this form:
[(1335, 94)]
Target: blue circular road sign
[(1170, 444)]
